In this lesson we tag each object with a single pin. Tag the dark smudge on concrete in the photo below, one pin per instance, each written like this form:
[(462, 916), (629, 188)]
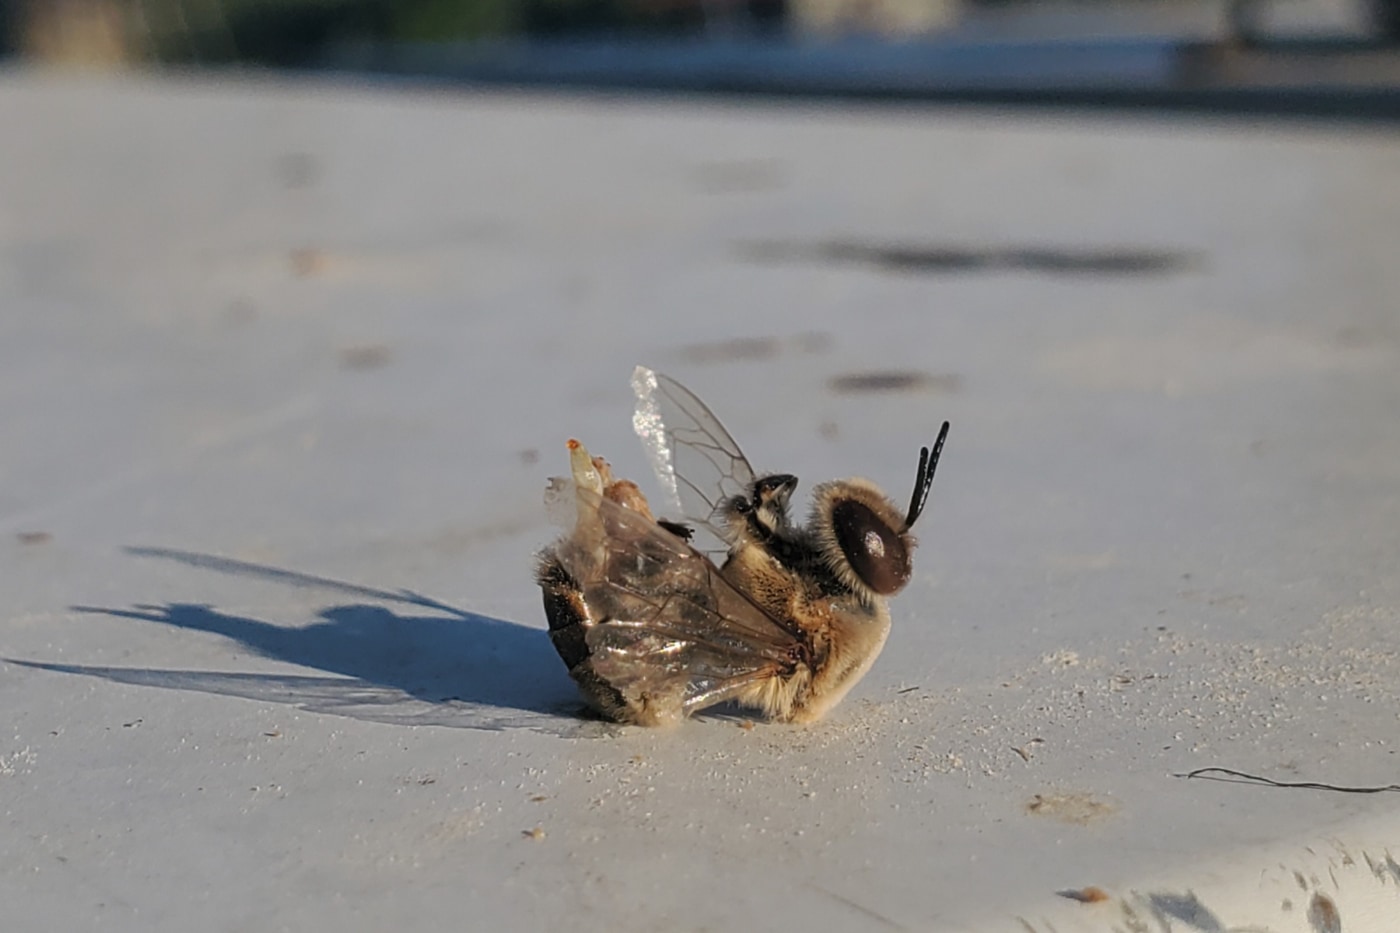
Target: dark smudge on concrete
[(891, 380), (945, 259)]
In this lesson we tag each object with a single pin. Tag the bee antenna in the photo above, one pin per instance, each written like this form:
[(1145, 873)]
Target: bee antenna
[(923, 480)]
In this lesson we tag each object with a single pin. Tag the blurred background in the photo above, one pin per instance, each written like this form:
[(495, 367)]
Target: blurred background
[(1252, 54)]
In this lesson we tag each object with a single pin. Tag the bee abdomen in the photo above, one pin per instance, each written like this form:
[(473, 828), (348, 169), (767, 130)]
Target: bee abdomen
[(565, 609), (569, 618)]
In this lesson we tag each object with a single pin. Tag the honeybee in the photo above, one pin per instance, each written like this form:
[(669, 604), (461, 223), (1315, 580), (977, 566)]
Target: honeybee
[(653, 630)]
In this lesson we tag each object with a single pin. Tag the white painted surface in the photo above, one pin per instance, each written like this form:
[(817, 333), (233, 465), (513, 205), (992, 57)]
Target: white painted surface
[(270, 361)]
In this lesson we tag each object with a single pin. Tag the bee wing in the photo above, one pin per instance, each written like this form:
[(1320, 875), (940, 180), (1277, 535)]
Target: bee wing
[(698, 464), (669, 626)]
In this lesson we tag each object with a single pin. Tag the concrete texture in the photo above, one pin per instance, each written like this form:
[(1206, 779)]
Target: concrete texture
[(283, 370)]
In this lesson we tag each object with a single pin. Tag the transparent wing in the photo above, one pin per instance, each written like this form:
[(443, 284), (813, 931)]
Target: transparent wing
[(672, 626), (698, 464)]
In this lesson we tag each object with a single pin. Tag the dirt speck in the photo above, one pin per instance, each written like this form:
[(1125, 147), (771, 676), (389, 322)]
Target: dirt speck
[(1078, 809), (365, 356), (742, 349), (1323, 915), (307, 262), (1027, 751), (297, 169), (537, 833), (1089, 895), (33, 538)]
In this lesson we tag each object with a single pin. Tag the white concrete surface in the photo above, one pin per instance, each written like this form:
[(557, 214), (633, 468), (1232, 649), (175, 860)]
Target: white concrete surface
[(283, 370)]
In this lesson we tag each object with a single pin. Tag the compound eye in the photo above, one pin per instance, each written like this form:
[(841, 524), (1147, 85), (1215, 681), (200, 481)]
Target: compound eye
[(874, 550)]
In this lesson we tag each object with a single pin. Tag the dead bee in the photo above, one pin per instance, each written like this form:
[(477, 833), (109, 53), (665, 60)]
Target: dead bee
[(652, 630)]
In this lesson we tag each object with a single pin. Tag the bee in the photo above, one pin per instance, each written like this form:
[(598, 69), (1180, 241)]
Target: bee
[(653, 630)]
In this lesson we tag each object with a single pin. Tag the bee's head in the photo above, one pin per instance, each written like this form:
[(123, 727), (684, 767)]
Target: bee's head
[(867, 544), (765, 511)]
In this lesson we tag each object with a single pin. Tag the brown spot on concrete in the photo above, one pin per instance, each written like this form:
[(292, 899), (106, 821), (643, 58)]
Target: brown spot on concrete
[(1089, 895), (1323, 916), (307, 262), (1078, 809), (365, 356)]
